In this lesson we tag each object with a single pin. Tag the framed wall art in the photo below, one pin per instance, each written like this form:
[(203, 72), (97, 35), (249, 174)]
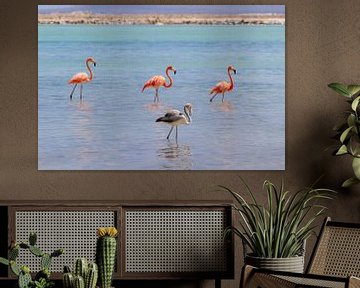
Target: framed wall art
[(161, 87)]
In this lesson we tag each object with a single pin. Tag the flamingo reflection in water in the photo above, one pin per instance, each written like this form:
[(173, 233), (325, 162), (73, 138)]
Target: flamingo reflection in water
[(175, 157)]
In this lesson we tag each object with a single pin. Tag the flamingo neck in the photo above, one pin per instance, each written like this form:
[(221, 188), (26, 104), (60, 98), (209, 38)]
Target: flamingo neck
[(171, 80), (231, 80), (187, 115), (90, 72)]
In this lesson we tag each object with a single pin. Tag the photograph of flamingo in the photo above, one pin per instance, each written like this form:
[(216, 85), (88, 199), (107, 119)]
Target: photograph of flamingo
[(82, 77), (157, 81), (161, 87)]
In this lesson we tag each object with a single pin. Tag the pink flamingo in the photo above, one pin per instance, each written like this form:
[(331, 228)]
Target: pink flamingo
[(82, 77), (158, 81), (223, 86)]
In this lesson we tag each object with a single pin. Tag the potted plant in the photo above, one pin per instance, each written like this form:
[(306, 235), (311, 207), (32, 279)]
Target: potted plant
[(84, 274), (276, 233), (42, 278), (106, 254), (348, 133)]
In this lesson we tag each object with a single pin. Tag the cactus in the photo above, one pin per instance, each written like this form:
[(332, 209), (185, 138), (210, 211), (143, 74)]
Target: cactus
[(14, 268), (13, 253), (44, 273), (36, 251), (91, 276), (24, 245), (106, 254), (79, 282), (42, 278), (89, 272), (24, 277), (80, 268), (57, 252), (32, 239), (68, 280), (45, 261)]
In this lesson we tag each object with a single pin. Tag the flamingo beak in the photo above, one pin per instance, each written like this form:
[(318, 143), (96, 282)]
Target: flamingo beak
[(174, 72), (94, 64), (234, 71)]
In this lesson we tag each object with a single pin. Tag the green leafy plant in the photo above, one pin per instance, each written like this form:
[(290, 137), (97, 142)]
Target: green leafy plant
[(348, 133), (279, 229), (42, 278), (43, 283)]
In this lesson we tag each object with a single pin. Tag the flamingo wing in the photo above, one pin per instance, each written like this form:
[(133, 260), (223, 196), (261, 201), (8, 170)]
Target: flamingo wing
[(154, 82), (171, 116), (78, 78), (220, 87)]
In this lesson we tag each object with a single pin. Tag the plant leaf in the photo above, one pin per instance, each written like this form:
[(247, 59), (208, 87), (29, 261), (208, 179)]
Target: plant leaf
[(351, 120), (342, 150), (355, 103), (349, 182), (4, 261), (279, 228), (353, 89), (345, 134), (356, 167), (340, 88)]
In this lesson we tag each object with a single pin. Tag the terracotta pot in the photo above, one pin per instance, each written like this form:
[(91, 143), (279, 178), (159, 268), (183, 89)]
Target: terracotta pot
[(291, 264)]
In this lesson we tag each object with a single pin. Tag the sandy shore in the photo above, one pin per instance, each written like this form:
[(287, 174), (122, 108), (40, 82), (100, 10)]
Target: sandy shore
[(161, 19)]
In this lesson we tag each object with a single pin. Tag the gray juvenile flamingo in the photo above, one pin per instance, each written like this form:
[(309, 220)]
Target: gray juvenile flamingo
[(176, 118)]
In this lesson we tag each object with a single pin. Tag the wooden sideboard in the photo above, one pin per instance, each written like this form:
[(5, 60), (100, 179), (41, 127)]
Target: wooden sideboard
[(157, 240)]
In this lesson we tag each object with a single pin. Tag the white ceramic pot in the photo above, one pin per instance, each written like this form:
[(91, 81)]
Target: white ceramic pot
[(291, 264)]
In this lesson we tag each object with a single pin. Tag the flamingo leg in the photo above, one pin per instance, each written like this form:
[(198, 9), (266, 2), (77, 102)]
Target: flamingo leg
[(172, 127), (72, 92), (81, 87), (223, 97), (176, 134), (157, 95), (212, 98)]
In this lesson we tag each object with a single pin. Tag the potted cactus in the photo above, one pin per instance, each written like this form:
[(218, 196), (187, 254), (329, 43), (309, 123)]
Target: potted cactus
[(42, 278), (106, 254), (84, 275)]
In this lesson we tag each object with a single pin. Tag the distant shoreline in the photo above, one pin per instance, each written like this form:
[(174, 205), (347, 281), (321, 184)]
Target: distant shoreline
[(161, 19)]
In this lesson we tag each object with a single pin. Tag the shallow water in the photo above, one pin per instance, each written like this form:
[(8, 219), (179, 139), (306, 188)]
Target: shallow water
[(113, 127)]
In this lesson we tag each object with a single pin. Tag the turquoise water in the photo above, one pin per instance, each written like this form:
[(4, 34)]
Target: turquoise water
[(113, 127)]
